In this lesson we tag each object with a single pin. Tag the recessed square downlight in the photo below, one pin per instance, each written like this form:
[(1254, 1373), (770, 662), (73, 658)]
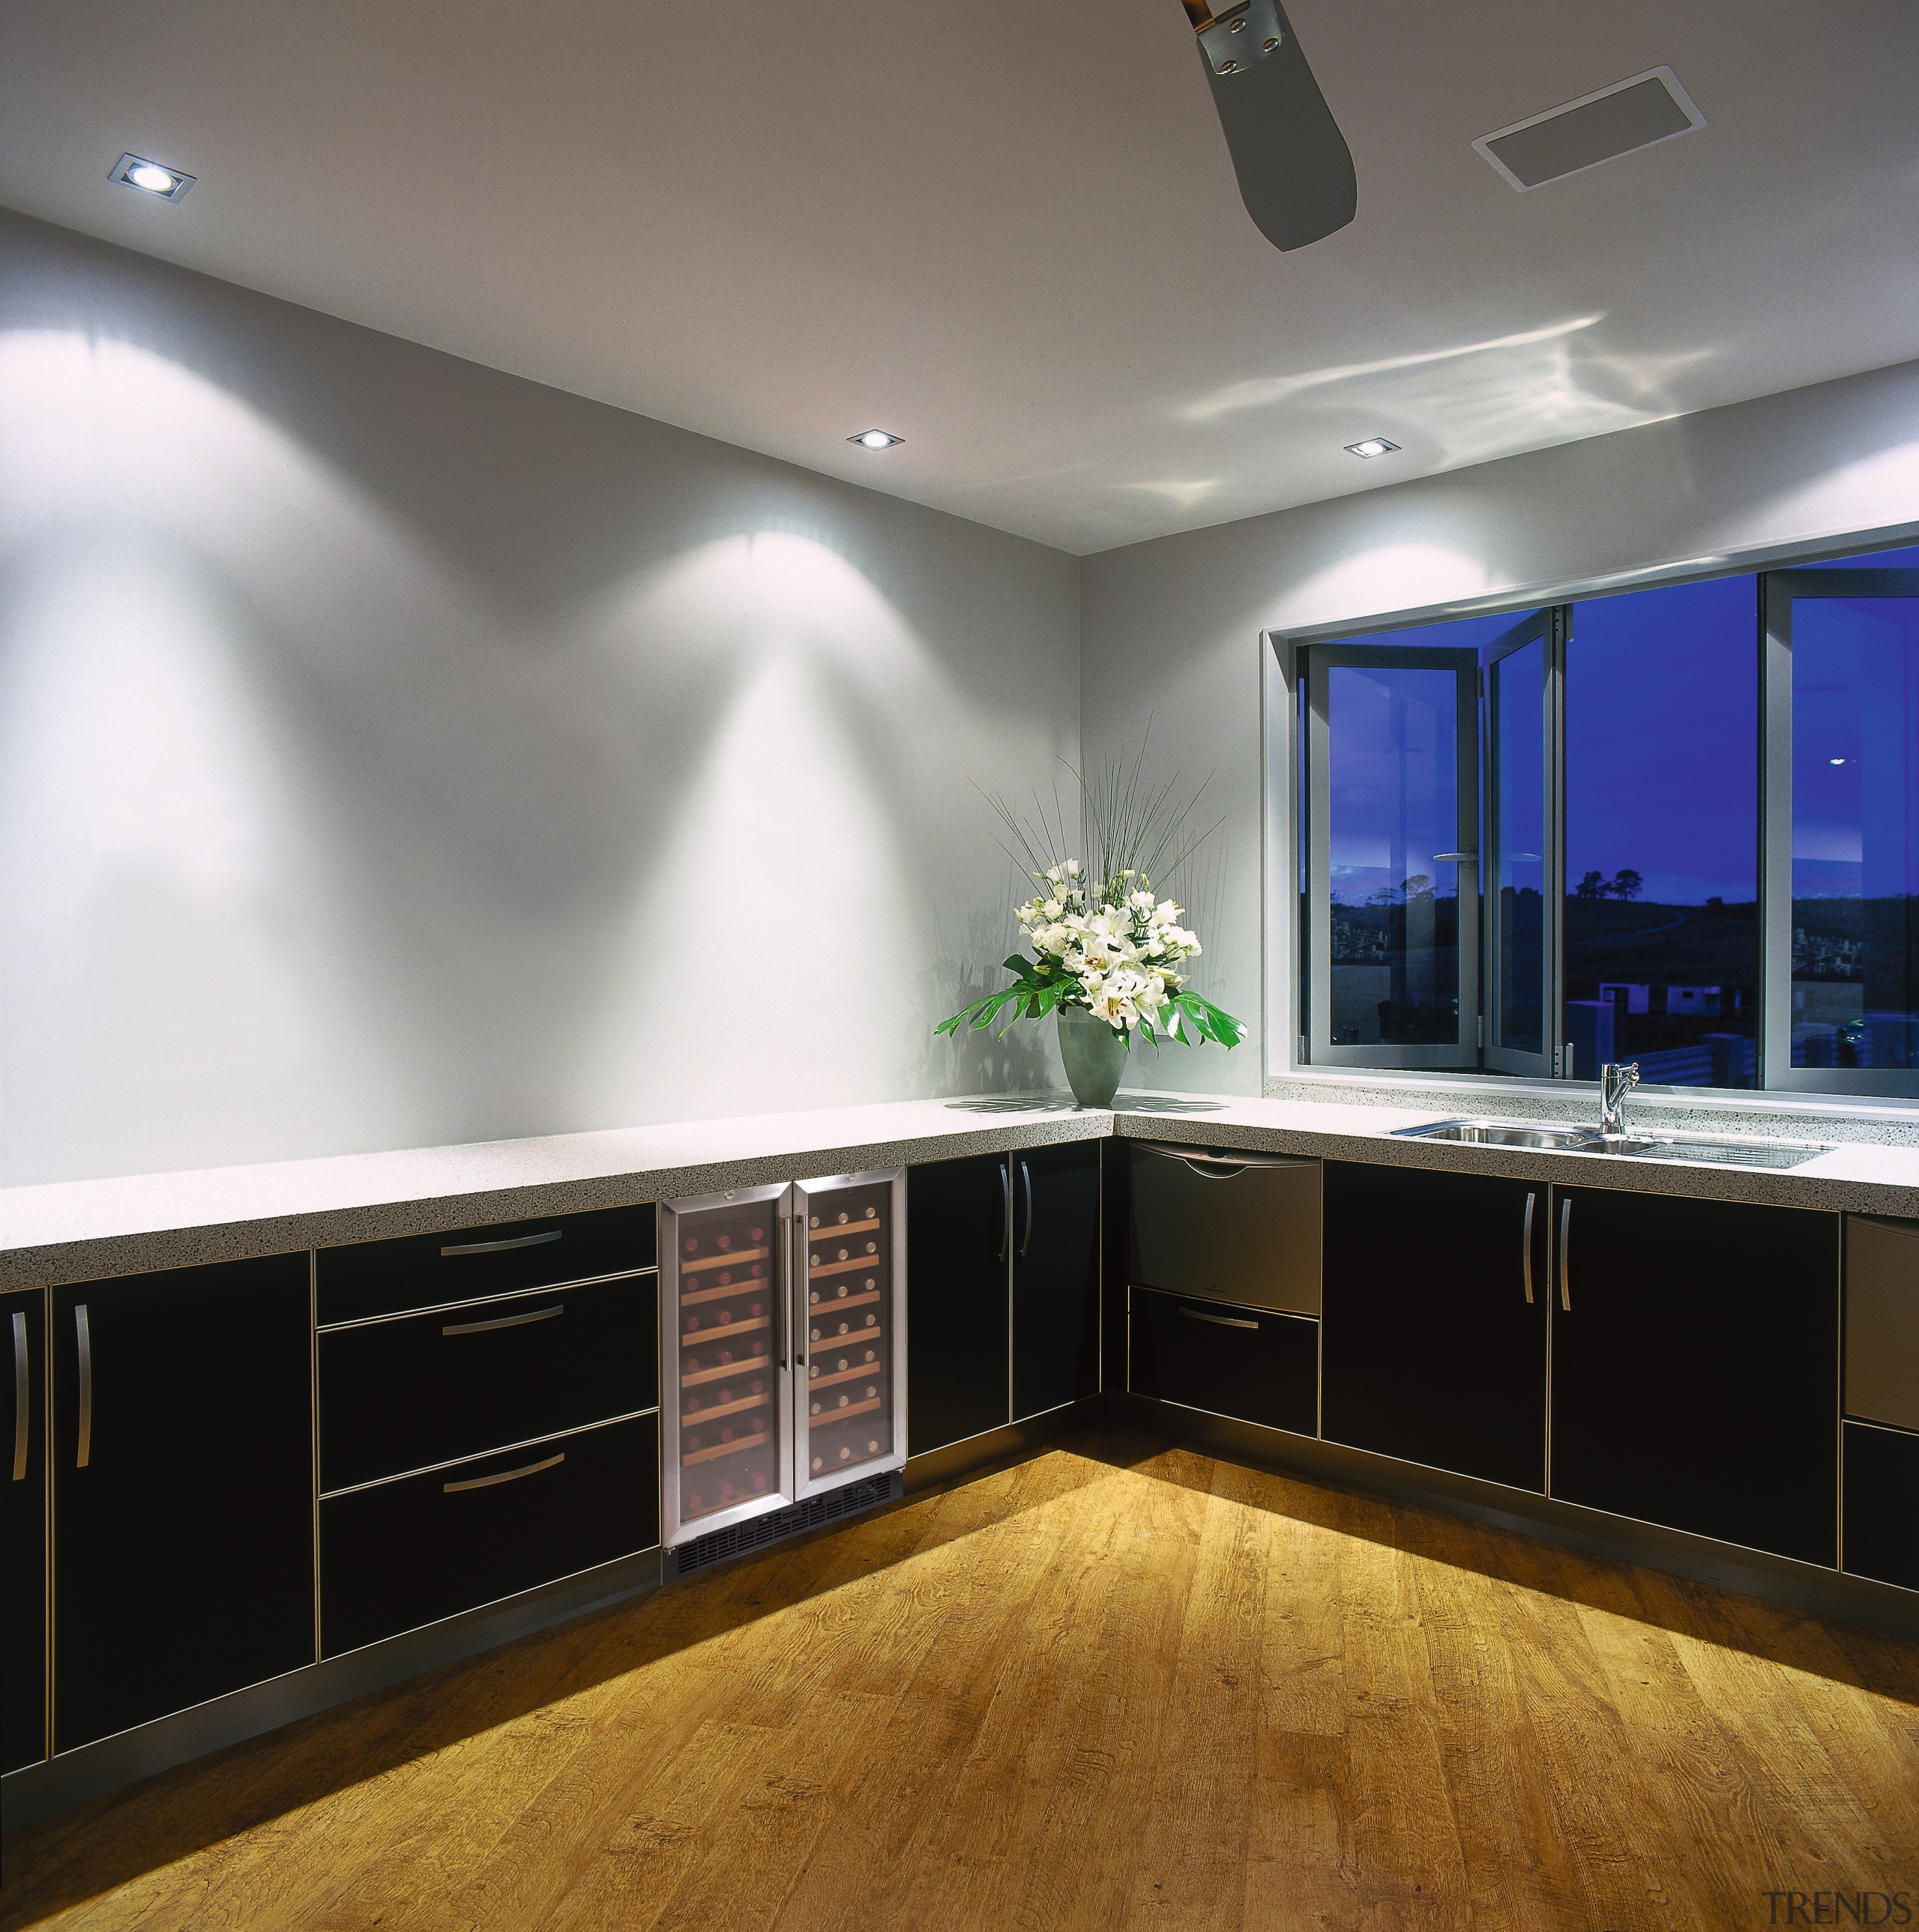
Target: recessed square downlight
[(876, 438), (152, 179), (1373, 446)]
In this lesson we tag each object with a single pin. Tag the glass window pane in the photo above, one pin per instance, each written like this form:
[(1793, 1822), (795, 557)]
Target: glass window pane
[(1855, 832), (1394, 786), (1661, 932)]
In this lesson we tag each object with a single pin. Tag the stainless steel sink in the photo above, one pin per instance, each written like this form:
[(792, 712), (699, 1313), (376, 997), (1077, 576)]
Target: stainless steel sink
[(1639, 1147), (1499, 1133)]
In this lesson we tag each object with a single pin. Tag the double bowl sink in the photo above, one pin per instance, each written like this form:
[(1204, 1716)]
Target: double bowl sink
[(1642, 1147)]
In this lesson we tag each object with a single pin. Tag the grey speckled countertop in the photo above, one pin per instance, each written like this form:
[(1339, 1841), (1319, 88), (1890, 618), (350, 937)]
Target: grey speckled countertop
[(1859, 1176), (78, 1231)]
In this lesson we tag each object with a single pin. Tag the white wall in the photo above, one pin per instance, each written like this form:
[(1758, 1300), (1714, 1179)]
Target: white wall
[(1170, 630), (393, 752)]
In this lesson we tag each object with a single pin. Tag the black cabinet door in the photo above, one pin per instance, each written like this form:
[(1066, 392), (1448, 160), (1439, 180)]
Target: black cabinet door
[(1056, 1276), (1434, 1314), (182, 1447), (1882, 1504), (958, 1301), (1695, 1367), (23, 1533)]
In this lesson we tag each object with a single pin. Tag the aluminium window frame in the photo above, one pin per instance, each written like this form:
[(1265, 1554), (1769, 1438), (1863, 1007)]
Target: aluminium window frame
[(1462, 663), (1779, 590), (1284, 937)]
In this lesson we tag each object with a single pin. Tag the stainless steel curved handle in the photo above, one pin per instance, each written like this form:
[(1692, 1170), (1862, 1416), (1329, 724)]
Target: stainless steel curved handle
[(501, 1247), (23, 1388), (1223, 1321), (505, 1476), (1026, 1182), (1565, 1254), (1005, 1212), (1526, 1247), (1197, 1157), (503, 1321), (83, 1341)]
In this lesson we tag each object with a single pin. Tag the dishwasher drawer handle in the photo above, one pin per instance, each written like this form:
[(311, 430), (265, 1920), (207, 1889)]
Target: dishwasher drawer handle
[(503, 1247), (1223, 1166), (503, 1322), (1223, 1321), (22, 1386), (505, 1476)]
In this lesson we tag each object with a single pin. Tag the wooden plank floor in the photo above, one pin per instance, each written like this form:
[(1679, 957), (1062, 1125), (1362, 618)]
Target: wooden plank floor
[(1116, 1687)]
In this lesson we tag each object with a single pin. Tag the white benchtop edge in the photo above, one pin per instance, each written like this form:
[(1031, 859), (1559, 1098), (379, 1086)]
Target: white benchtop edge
[(78, 1231)]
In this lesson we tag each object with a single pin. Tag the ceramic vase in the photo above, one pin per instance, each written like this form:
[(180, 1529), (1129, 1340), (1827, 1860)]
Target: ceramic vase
[(1095, 1056)]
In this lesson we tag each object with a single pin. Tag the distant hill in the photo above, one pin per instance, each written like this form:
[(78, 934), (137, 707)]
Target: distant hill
[(1647, 941)]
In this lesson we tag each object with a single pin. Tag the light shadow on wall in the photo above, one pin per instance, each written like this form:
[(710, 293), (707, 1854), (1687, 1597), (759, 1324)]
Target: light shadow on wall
[(333, 824)]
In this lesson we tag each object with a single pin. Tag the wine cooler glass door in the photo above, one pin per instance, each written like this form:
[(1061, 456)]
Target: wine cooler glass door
[(723, 1260), (849, 1340)]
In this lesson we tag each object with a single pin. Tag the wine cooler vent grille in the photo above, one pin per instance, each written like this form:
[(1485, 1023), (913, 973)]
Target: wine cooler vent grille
[(777, 1524)]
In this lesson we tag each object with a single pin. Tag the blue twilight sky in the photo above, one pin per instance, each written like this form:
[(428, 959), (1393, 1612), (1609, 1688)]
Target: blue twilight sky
[(1661, 736)]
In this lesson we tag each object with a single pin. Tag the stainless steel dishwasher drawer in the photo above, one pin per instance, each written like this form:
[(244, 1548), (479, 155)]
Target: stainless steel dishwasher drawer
[(1882, 1320), (1232, 1226)]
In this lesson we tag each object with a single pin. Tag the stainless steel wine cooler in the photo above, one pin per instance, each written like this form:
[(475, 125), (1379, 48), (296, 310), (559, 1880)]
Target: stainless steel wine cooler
[(784, 1346)]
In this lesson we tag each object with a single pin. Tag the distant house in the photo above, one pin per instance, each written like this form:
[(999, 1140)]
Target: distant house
[(1700, 1001)]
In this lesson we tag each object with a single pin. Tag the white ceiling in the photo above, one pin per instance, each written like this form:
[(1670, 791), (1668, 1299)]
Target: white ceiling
[(1010, 231)]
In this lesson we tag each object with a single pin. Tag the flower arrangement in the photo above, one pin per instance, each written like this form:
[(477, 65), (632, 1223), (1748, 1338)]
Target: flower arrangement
[(1106, 949), (1110, 949)]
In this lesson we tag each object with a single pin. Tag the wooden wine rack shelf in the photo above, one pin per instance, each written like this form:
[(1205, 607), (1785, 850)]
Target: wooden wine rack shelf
[(869, 1371), (697, 1338), (725, 1369), (704, 1415), (845, 1414), (706, 1261), (823, 1307), (824, 1341), (831, 1230), (720, 1449), (753, 1285), (814, 1272)]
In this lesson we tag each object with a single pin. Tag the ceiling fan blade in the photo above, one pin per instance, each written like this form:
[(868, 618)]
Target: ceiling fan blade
[(1295, 170)]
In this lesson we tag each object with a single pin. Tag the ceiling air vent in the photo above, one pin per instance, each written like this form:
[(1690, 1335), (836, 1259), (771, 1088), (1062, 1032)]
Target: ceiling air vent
[(1597, 128)]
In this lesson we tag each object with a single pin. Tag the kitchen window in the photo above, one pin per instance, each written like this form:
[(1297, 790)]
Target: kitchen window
[(1678, 825)]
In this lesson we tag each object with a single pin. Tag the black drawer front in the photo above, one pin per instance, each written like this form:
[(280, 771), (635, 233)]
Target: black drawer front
[(1882, 1504), (1249, 1235), (402, 1394), (407, 1553), (1245, 1362), (424, 1270)]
